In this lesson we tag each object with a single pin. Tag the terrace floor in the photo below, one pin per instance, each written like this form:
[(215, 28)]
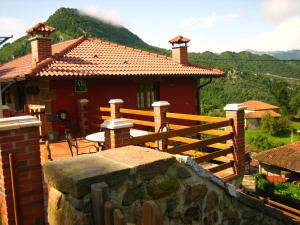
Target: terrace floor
[(60, 151)]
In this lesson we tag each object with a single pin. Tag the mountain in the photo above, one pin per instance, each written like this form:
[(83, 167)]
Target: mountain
[(282, 55), (249, 76), (70, 24)]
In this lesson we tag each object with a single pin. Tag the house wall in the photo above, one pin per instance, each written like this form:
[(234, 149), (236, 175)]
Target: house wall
[(181, 93)]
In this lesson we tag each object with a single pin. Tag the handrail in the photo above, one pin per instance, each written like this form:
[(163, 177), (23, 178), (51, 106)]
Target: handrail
[(105, 109), (199, 144), (182, 116), (207, 132), (180, 132), (137, 112)]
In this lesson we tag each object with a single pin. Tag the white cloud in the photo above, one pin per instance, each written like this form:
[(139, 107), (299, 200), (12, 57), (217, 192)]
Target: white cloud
[(278, 10), (207, 21), (109, 16), (285, 36), (200, 22), (11, 26)]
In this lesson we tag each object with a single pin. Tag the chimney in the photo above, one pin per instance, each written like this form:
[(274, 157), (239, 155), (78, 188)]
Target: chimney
[(40, 42), (179, 51)]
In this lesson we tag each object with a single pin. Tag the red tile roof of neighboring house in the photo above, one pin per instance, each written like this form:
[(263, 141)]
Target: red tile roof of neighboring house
[(90, 57), (259, 105), (277, 179), (260, 114), (287, 156)]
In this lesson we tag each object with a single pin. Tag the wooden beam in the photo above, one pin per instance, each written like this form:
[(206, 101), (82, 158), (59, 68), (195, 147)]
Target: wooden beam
[(104, 109), (181, 132), (207, 132), (221, 167), (195, 117), (213, 155), (198, 144), (137, 112)]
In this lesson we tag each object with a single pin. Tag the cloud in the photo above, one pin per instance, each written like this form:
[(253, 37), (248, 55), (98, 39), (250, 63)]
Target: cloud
[(109, 16), (207, 21), (11, 26), (278, 10), (285, 36)]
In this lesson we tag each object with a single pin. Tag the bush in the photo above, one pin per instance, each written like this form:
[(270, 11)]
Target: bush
[(263, 186), (261, 142), (288, 193), (275, 126)]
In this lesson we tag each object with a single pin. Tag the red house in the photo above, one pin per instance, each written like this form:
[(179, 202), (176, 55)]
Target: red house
[(57, 76)]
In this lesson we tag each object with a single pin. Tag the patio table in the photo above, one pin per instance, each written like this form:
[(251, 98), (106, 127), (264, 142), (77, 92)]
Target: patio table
[(99, 136)]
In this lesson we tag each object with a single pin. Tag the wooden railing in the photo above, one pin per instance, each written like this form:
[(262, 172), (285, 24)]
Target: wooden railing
[(210, 146)]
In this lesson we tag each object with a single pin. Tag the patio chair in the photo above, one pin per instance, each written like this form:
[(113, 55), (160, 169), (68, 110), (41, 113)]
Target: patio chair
[(73, 144)]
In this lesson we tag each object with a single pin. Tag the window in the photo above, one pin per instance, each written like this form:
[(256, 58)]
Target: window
[(147, 94)]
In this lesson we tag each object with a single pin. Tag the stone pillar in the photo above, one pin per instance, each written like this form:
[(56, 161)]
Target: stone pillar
[(237, 113), (160, 109), (117, 132), (20, 137), (115, 106)]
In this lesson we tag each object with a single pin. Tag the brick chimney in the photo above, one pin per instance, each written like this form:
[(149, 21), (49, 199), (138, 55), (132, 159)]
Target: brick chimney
[(40, 42), (179, 49)]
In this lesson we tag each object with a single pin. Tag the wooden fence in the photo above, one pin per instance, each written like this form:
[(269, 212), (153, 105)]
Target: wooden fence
[(205, 143)]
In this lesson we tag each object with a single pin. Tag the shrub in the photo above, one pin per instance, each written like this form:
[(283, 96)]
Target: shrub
[(275, 126), (263, 186), (261, 142)]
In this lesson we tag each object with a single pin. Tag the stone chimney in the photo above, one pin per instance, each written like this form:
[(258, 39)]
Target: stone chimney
[(179, 51), (40, 42)]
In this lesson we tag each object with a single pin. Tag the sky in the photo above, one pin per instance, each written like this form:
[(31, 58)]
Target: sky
[(212, 25)]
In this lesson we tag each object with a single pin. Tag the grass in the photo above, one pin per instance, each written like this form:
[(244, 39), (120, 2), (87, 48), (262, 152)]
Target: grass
[(276, 140), (296, 125)]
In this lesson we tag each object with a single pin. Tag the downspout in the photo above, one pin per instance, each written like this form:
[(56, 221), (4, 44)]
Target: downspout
[(199, 86)]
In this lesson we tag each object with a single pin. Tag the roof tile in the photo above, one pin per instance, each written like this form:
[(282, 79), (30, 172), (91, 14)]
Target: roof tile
[(77, 57)]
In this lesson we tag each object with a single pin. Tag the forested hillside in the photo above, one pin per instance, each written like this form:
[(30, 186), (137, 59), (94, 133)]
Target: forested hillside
[(70, 24), (248, 76)]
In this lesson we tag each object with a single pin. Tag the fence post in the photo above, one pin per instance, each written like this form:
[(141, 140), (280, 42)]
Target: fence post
[(160, 109), (115, 106), (237, 114), (117, 132), (20, 136)]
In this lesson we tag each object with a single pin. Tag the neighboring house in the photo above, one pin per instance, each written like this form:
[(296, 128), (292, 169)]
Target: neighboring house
[(281, 161), (58, 76), (256, 110)]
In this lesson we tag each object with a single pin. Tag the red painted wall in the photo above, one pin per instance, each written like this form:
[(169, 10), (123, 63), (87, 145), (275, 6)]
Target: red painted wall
[(181, 93)]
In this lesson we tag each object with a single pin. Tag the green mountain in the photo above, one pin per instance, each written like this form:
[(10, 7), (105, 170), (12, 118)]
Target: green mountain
[(249, 76), (70, 24)]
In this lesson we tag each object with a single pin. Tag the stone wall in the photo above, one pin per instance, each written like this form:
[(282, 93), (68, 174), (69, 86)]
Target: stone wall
[(184, 192)]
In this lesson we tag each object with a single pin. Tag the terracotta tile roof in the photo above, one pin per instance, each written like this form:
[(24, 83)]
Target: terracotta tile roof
[(90, 57), (287, 156), (258, 105), (260, 114), (21, 66)]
